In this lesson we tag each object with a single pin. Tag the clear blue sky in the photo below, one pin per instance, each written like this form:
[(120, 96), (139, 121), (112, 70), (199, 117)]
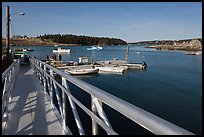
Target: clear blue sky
[(130, 21)]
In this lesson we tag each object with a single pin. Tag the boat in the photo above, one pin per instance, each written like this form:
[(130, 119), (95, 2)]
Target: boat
[(95, 48), (193, 53), (22, 55), (20, 51), (135, 65), (199, 53), (81, 70), (111, 69), (138, 52), (29, 49), (60, 50)]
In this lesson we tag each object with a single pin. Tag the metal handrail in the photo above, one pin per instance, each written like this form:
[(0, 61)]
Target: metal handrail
[(145, 119), (8, 69), (8, 79)]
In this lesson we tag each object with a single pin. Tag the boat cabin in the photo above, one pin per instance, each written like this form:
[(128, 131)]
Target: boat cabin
[(23, 56)]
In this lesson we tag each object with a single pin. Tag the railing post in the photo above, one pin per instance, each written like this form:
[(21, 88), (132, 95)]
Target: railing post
[(36, 67), (40, 73), (64, 106), (4, 109), (13, 79), (38, 70), (73, 107), (9, 90), (51, 87), (48, 82), (44, 79), (58, 98), (94, 124)]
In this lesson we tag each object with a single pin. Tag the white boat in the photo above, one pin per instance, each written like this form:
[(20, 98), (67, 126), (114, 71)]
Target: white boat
[(95, 48), (29, 49), (112, 69), (22, 50), (135, 65), (194, 53), (81, 71), (60, 50), (22, 55), (199, 53)]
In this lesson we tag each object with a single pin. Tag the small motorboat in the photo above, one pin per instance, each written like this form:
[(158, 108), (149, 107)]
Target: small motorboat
[(193, 53), (140, 66), (95, 48), (112, 69), (81, 71), (29, 49), (60, 50)]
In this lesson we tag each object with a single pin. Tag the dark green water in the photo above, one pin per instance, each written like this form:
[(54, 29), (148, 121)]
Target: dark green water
[(171, 86)]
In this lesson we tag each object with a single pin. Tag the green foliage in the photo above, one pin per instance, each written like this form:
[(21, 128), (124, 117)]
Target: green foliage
[(81, 40)]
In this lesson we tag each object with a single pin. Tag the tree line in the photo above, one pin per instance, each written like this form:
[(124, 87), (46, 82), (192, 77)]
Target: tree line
[(81, 40)]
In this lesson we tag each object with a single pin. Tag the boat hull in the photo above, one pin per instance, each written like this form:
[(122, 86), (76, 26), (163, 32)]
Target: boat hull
[(111, 69), (134, 66), (82, 71), (64, 51)]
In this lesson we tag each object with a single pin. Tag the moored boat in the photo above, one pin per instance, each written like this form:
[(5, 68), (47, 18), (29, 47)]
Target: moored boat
[(21, 54), (193, 53), (112, 69), (81, 71), (60, 50), (29, 49), (95, 48), (140, 66)]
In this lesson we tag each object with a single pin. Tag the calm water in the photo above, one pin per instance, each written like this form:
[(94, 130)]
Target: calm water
[(171, 86)]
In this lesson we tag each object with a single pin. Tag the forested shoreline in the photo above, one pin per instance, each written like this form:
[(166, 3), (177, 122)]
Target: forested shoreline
[(81, 40)]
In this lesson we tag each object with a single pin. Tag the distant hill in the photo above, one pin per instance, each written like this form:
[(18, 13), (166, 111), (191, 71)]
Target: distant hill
[(165, 42)]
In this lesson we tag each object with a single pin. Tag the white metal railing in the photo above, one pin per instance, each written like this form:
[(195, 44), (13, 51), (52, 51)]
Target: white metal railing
[(8, 79), (145, 119)]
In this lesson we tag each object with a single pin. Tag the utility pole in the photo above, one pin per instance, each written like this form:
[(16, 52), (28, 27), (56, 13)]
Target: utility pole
[(7, 36)]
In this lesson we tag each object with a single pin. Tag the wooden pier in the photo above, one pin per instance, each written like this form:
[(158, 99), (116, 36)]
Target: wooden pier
[(30, 112)]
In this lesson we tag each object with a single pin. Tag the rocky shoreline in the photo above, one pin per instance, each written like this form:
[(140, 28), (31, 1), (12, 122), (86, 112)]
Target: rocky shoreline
[(194, 45)]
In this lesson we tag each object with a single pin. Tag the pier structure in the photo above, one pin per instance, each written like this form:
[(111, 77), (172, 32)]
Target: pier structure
[(28, 105)]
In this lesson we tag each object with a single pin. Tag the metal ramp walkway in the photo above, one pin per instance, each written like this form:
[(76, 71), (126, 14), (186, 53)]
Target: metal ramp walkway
[(28, 106), (29, 112)]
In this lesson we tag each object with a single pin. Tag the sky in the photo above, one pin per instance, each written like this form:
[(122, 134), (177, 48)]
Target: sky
[(129, 21)]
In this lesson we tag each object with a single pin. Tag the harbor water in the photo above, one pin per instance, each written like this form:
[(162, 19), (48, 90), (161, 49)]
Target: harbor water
[(170, 87)]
